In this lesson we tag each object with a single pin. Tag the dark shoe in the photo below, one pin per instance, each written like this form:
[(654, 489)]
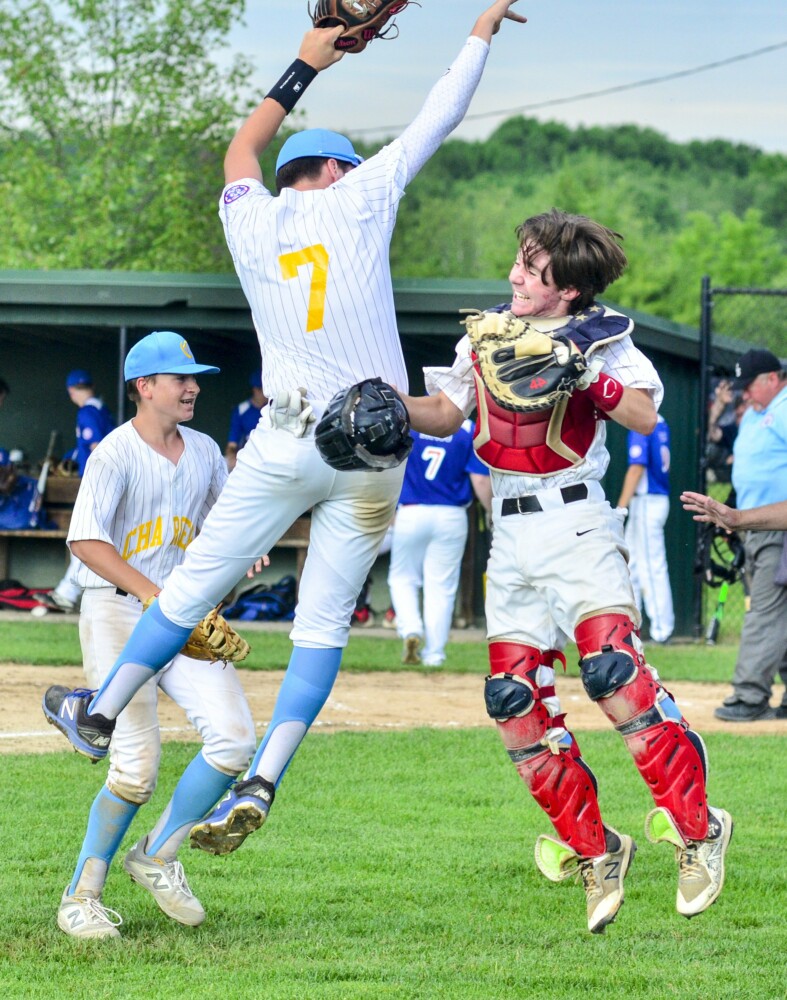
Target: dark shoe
[(89, 735), (741, 712), (780, 712), (243, 810)]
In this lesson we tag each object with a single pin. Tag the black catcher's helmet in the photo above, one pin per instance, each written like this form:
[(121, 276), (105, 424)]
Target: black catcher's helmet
[(365, 427)]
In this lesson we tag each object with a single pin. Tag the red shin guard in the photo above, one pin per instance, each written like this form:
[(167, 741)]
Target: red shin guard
[(558, 779), (667, 754)]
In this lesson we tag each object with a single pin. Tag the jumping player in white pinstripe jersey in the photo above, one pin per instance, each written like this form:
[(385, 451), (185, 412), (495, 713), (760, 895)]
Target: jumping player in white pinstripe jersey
[(145, 494), (558, 568), (314, 266)]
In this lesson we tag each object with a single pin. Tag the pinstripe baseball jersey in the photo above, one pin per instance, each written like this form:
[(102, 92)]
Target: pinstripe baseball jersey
[(314, 264), (621, 359), (142, 504)]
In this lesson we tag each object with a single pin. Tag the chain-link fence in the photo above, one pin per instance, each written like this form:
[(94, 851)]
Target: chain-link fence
[(733, 320)]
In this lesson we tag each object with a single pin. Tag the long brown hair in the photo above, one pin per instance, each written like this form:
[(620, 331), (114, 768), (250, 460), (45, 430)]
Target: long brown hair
[(583, 254)]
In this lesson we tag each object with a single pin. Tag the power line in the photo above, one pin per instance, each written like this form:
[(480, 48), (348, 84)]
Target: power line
[(598, 93)]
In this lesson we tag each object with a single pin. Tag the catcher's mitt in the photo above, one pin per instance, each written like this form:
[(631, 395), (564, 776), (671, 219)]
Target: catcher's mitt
[(522, 367), (364, 20), (365, 427)]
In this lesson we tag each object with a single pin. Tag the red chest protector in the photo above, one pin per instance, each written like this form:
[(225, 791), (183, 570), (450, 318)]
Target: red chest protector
[(547, 441), (534, 444)]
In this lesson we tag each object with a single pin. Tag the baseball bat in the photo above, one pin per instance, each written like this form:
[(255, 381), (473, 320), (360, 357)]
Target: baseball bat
[(37, 499), (714, 625)]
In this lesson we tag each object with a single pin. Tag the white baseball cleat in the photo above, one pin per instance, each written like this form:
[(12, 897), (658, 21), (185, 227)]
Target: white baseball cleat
[(602, 877), (87, 917), (700, 862), (166, 882)]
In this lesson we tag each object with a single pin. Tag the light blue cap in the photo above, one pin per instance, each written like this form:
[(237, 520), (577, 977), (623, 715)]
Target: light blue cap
[(163, 353), (317, 142)]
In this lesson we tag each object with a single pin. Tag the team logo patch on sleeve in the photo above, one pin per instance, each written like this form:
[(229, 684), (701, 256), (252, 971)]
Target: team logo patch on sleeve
[(235, 192)]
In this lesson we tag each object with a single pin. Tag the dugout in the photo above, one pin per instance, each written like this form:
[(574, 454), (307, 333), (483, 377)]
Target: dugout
[(54, 321)]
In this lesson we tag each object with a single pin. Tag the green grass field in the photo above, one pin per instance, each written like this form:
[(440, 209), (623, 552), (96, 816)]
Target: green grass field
[(52, 643), (399, 866)]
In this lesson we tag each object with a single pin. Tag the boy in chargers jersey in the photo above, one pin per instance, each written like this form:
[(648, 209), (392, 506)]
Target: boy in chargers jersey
[(145, 494), (314, 265)]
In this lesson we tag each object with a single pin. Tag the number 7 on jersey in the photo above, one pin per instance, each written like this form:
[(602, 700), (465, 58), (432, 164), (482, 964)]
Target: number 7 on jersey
[(317, 256)]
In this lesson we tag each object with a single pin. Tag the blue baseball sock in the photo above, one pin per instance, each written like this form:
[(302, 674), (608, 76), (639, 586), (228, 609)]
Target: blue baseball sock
[(151, 645), (110, 817), (200, 786), (308, 682)]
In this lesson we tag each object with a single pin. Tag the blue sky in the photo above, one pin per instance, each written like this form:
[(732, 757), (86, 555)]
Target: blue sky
[(568, 47)]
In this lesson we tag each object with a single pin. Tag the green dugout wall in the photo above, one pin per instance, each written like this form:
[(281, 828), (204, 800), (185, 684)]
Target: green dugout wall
[(52, 322)]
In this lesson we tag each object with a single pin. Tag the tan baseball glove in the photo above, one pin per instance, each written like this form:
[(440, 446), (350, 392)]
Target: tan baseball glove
[(212, 639), (363, 20), (523, 368), (215, 639)]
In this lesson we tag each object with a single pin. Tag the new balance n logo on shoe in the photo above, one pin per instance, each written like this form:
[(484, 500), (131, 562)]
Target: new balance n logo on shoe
[(68, 709), (612, 871)]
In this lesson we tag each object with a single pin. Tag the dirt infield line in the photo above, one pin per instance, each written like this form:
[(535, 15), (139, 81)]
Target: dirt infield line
[(359, 702)]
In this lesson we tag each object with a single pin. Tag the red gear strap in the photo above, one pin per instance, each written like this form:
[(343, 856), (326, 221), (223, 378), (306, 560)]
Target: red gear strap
[(606, 392)]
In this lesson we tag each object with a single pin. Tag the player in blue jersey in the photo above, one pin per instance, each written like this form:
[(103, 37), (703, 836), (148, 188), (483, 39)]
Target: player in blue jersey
[(245, 417), (645, 493), (429, 537), (94, 422)]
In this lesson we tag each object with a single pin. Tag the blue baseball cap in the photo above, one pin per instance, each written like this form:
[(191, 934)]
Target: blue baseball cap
[(163, 353), (79, 376), (255, 380), (317, 142)]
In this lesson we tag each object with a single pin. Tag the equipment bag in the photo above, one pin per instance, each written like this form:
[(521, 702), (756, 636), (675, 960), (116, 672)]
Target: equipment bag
[(15, 596), (266, 604)]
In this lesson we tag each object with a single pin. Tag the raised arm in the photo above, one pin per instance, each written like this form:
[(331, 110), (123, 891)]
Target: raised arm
[(316, 53), (489, 22), (449, 99)]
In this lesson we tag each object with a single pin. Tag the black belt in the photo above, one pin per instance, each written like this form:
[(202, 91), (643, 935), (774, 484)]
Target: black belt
[(530, 504)]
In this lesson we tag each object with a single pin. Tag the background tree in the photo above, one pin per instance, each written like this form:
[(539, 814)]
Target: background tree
[(113, 121), (115, 115)]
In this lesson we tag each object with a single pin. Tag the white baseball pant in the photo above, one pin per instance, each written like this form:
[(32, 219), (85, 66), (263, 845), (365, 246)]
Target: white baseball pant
[(279, 477), (648, 562), (209, 693), (426, 561)]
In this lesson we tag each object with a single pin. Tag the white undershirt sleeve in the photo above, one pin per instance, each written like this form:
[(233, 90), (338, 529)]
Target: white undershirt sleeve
[(446, 105)]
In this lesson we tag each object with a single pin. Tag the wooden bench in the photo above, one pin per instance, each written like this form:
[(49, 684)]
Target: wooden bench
[(6, 535), (297, 537)]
